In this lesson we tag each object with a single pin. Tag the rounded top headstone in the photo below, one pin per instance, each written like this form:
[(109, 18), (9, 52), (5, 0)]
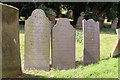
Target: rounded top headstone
[(82, 14), (38, 13), (8, 6), (52, 12), (63, 20)]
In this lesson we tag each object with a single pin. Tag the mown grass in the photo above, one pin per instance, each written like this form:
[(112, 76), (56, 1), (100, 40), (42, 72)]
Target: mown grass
[(106, 68)]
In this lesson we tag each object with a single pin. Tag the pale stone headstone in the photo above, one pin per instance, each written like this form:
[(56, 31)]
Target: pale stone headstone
[(79, 21), (37, 41), (114, 23), (118, 33), (63, 45), (9, 46), (91, 42), (116, 49)]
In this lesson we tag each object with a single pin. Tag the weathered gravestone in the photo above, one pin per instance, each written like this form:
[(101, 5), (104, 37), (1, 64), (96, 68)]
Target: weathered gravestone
[(9, 41), (70, 14), (79, 21), (116, 49), (118, 33), (52, 17), (63, 45), (114, 23), (91, 42), (37, 41)]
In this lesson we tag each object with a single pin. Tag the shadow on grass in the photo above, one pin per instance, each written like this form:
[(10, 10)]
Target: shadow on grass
[(78, 63), (24, 75), (117, 56)]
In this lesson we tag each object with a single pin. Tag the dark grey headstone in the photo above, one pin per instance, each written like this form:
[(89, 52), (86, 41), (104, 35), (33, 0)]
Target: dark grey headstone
[(9, 46), (37, 41), (63, 45), (91, 42)]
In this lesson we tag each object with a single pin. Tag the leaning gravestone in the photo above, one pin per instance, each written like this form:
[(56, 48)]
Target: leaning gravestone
[(9, 41), (37, 41), (118, 33), (116, 49), (63, 45), (91, 42)]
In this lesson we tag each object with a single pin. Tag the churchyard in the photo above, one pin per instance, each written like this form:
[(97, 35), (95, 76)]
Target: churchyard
[(45, 48), (107, 67)]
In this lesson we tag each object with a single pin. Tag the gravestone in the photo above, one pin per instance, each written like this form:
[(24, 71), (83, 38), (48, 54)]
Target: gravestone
[(52, 16), (79, 21), (118, 33), (91, 42), (0, 42), (63, 45), (114, 23), (70, 14), (9, 41), (37, 41), (116, 49)]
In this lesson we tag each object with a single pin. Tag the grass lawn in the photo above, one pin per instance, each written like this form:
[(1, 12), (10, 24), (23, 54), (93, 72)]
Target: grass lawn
[(106, 68)]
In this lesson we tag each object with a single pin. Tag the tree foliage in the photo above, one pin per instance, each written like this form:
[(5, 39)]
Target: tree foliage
[(95, 10)]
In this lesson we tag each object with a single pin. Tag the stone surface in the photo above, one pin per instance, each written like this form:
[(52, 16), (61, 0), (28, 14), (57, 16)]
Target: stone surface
[(63, 45), (11, 63), (79, 21), (0, 41), (37, 41), (52, 17), (116, 49), (70, 14), (119, 33), (114, 23), (91, 42)]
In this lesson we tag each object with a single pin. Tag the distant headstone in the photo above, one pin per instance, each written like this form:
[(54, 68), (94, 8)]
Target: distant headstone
[(37, 41), (91, 42), (63, 45), (70, 14), (79, 21), (52, 16), (9, 41), (118, 33), (114, 24), (116, 49)]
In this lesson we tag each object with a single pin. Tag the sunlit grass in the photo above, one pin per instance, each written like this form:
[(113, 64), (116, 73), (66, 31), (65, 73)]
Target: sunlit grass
[(105, 68)]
